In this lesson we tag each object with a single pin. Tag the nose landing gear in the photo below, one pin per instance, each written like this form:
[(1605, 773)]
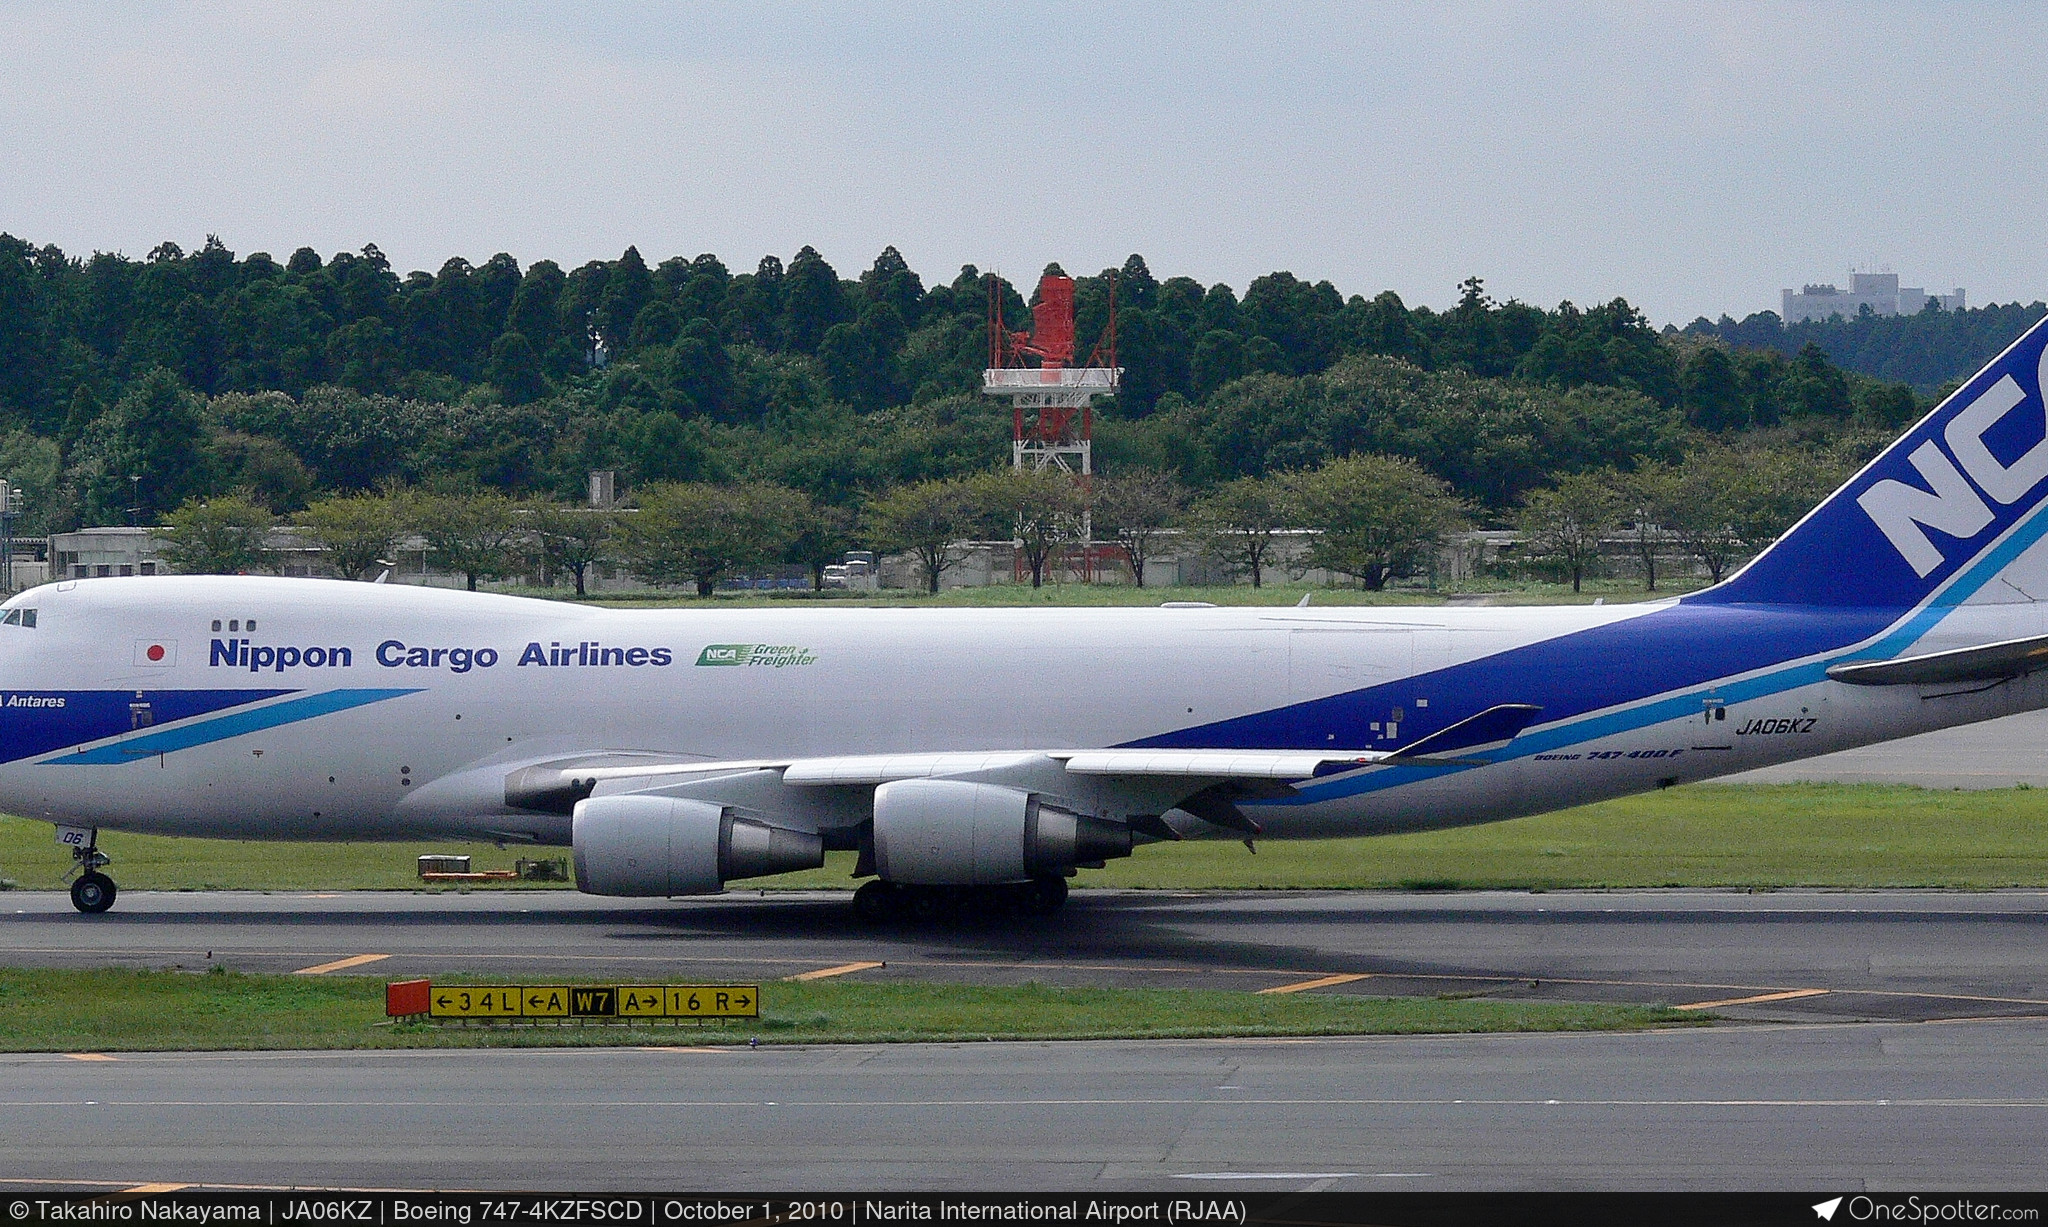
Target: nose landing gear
[(94, 891)]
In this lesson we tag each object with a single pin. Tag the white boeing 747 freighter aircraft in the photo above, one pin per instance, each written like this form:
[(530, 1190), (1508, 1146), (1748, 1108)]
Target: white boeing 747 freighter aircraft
[(677, 750)]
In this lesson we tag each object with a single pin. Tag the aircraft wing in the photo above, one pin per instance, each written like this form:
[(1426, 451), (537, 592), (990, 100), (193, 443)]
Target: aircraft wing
[(555, 787), (1988, 662)]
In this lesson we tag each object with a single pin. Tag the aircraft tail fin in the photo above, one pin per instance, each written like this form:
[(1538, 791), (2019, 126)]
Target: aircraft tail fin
[(1960, 493)]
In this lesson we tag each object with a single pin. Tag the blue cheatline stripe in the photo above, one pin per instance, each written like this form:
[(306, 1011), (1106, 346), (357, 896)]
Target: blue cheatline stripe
[(206, 732), (1902, 634)]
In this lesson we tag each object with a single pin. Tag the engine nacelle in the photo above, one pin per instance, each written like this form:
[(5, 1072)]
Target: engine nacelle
[(957, 833), (637, 845)]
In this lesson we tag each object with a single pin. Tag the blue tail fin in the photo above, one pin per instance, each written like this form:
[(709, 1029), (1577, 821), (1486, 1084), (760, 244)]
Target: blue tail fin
[(1967, 480)]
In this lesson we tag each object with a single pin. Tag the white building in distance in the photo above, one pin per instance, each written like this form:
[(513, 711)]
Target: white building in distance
[(1880, 292)]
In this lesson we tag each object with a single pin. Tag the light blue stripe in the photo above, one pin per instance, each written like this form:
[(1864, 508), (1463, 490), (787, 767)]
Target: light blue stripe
[(205, 732), (1907, 631)]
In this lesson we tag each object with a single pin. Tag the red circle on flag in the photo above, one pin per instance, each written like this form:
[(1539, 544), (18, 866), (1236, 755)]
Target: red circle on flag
[(156, 651)]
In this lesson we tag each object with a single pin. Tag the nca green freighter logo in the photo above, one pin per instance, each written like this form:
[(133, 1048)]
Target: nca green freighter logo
[(773, 655)]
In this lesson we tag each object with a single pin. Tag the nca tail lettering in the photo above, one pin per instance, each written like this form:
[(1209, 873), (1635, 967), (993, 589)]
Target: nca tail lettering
[(241, 654), (1951, 504)]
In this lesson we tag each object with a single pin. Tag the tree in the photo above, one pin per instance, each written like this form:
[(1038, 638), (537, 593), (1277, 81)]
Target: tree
[(701, 533), (823, 535), (572, 539), (927, 518), (358, 532), (1727, 503), (1377, 517), (220, 536), (515, 369), (153, 433), (812, 301), (1568, 521), (1134, 507), (1241, 521), (1040, 510), (471, 533), (1646, 498)]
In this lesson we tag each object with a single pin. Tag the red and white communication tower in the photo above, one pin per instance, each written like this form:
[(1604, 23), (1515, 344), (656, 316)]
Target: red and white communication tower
[(1050, 402)]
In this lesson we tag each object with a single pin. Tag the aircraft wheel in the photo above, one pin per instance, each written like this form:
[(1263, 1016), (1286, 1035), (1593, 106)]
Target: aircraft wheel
[(931, 904), (1044, 896), (876, 901), (93, 893)]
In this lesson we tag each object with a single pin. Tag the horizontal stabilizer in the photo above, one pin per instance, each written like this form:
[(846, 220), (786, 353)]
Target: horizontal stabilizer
[(1988, 662)]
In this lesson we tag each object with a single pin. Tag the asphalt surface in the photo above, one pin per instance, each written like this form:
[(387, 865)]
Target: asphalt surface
[(1839, 1108), (1878, 1039), (1995, 754), (1844, 955)]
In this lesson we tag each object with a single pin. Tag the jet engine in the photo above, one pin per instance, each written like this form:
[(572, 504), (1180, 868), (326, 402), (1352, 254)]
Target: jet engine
[(640, 845), (957, 833)]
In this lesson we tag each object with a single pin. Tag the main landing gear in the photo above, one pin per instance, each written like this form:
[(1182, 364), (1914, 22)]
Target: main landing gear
[(94, 891), (878, 901)]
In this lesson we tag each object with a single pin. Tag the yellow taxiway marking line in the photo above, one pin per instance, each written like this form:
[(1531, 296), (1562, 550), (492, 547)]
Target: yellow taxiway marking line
[(156, 1187), (1789, 995), (90, 1056), (826, 973), (354, 960), (1320, 982)]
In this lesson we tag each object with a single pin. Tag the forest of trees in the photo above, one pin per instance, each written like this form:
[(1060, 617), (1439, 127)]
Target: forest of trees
[(132, 388), (1931, 351)]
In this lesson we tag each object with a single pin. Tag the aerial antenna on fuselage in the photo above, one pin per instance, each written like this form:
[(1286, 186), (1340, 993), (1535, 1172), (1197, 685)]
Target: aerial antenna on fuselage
[(381, 578)]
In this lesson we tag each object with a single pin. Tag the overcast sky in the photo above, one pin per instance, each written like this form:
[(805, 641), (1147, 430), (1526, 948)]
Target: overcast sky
[(1692, 157)]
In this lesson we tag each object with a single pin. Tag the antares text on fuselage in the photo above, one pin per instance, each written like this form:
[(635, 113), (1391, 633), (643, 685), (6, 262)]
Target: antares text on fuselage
[(678, 750)]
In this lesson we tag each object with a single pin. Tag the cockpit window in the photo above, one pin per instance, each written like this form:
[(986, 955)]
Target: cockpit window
[(19, 617)]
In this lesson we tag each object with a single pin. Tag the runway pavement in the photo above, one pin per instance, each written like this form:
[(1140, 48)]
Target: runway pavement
[(1884, 1039), (1781, 955), (1830, 1109)]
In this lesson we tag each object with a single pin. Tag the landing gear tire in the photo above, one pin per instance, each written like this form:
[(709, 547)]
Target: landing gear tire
[(877, 901), (1044, 896), (93, 893)]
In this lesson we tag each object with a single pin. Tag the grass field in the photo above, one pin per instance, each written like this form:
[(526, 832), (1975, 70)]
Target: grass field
[(121, 1010), (1705, 835)]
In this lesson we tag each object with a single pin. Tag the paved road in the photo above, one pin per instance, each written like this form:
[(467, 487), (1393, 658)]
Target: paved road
[(1995, 754), (1890, 1039), (1834, 1108), (1843, 955)]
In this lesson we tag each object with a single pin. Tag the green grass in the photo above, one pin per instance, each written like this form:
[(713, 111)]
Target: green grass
[(1831, 835), (124, 1010), (1828, 835), (32, 860), (1726, 835)]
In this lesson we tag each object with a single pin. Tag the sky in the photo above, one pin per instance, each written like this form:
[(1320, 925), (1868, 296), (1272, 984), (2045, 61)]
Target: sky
[(1692, 158)]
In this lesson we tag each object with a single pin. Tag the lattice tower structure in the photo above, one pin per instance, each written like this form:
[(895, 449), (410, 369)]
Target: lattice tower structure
[(1051, 400)]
